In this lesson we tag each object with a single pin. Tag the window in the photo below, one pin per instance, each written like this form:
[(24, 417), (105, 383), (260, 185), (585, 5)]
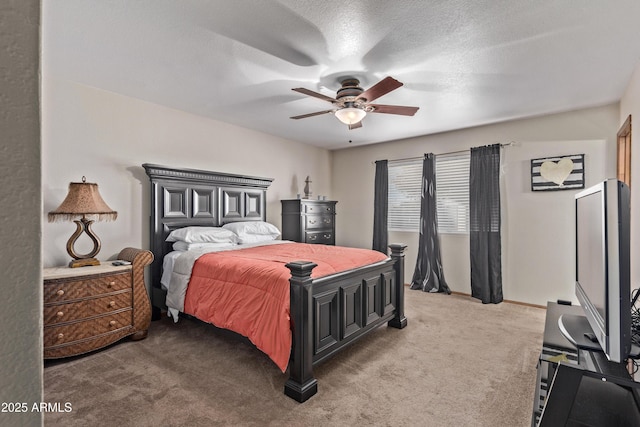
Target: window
[(452, 192), (405, 178)]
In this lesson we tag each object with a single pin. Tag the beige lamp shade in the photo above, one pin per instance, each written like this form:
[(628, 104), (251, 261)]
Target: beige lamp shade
[(83, 200), (83, 205)]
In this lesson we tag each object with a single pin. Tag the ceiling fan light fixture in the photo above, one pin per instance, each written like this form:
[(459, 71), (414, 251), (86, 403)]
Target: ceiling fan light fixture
[(350, 115), (352, 104)]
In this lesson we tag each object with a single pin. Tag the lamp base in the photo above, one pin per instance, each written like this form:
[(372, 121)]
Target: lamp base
[(83, 262)]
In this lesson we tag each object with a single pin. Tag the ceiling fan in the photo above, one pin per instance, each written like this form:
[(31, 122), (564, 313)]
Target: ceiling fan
[(352, 103)]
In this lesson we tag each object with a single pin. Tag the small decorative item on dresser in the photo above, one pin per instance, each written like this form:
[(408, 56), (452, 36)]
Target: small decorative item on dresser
[(84, 202), (309, 221), (307, 189), (89, 308)]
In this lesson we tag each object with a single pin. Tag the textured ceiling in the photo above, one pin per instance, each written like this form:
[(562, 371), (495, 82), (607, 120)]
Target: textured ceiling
[(463, 62)]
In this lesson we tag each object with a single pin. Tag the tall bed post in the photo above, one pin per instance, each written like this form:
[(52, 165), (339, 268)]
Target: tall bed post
[(397, 254), (301, 384)]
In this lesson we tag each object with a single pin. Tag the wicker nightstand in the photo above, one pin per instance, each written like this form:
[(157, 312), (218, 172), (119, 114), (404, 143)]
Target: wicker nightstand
[(88, 308)]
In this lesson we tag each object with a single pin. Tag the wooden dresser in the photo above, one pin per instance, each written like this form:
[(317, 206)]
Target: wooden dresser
[(87, 308), (309, 221)]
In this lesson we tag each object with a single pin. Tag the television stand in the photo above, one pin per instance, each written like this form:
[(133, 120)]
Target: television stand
[(555, 348), (575, 329), (576, 384)]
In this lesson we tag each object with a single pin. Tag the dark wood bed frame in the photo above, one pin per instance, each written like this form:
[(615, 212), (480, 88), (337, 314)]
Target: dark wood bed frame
[(327, 314)]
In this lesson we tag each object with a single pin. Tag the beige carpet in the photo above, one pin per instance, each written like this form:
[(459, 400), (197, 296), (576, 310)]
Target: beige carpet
[(458, 363)]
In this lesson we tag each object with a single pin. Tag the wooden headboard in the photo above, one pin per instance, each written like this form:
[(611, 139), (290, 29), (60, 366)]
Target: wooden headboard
[(184, 197)]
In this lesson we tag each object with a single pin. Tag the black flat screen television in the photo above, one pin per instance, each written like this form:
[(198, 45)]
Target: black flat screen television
[(602, 264)]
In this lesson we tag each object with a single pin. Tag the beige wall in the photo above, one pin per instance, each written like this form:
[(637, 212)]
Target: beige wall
[(20, 226), (630, 105), (106, 137), (538, 258)]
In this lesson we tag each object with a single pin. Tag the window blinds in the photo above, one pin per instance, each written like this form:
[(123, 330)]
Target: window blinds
[(452, 192), (405, 178)]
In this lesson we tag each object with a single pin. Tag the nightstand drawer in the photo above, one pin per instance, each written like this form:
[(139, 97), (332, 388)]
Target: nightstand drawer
[(69, 332), (66, 312), (58, 290), (314, 222), (323, 237), (86, 345)]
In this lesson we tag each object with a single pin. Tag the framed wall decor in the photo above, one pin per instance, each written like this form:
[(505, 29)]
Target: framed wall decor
[(557, 173)]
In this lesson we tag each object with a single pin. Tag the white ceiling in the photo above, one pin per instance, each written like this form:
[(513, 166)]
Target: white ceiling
[(463, 62)]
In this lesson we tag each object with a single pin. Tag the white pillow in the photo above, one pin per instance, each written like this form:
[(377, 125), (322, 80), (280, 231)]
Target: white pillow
[(253, 231), (202, 235), (184, 246), (255, 238)]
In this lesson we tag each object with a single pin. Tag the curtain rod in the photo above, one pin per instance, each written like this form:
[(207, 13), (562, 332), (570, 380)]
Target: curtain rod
[(508, 144)]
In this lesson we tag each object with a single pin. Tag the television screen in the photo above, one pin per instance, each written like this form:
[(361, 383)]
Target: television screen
[(591, 251), (602, 264)]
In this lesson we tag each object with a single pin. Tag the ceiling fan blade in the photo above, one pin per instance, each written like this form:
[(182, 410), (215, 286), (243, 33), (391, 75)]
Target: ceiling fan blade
[(383, 87), (355, 125), (317, 113), (394, 109), (314, 94)]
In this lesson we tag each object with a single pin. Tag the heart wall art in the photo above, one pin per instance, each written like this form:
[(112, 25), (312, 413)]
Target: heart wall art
[(557, 173)]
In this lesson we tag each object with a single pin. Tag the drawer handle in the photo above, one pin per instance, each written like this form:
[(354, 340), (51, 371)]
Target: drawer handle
[(60, 293), (327, 221), (312, 221), (112, 304), (60, 313), (313, 237), (328, 209), (112, 323), (327, 236), (60, 336), (111, 284)]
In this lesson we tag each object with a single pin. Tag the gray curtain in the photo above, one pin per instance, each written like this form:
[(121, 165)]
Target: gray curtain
[(484, 224), (380, 207), (428, 274)]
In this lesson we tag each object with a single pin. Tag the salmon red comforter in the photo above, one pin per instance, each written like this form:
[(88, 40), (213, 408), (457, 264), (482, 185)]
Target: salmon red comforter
[(247, 290)]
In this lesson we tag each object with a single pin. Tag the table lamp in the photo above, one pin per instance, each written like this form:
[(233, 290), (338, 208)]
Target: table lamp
[(83, 205)]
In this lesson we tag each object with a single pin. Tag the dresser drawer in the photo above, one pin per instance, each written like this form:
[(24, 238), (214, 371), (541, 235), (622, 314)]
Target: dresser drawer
[(69, 332), (315, 222), (66, 312), (86, 345), (322, 237), (59, 290), (319, 208)]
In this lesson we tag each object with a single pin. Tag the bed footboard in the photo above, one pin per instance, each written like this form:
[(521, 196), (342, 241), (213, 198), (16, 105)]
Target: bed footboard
[(329, 313), (398, 321)]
